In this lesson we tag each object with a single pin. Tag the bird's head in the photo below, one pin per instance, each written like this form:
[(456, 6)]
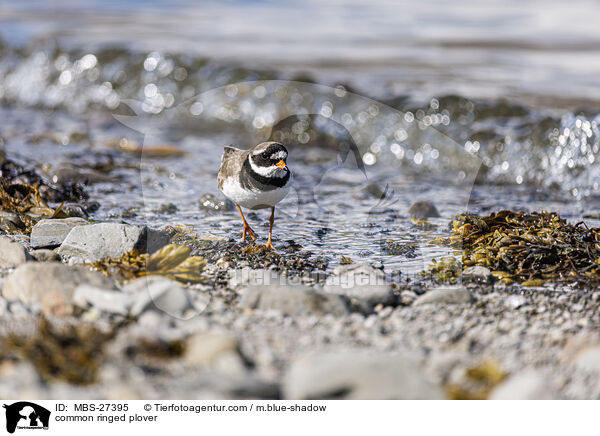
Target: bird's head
[(269, 158)]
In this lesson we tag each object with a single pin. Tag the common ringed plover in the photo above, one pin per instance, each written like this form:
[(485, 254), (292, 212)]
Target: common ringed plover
[(255, 179)]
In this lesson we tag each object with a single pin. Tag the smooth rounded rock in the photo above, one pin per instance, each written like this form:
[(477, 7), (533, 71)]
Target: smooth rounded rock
[(477, 273), (162, 294), (358, 375), (589, 359), (445, 295), (292, 300), (515, 301), (362, 282), (526, 385), (422, 210), (32, 282), (205, 348), (12, 253)]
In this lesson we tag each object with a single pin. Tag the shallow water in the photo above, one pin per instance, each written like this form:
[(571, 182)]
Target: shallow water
[(476, 108), (329, 211)]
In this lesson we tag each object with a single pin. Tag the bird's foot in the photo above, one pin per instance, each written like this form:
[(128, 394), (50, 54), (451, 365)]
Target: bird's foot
[(269, 246), (248, 231)]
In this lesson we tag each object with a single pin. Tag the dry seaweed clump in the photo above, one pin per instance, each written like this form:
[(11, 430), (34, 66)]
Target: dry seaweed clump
[(22, 207), (155, 349), (529, 248), (171, 261), (69, 353), (478, 381), (24, 198)]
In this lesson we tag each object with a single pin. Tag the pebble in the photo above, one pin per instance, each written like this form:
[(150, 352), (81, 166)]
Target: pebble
[(362, 282), (478, 274), (52, 232), (292, 300), (407, 297), (111, 301), (71, 174), (214, 350), (422, 210), (445, 295), (374, 190), (94, 242), (50, 283), (12, 253), (528, 384), (515, 301), (161, 294), (358, 375), (152, 293), (589, 359)]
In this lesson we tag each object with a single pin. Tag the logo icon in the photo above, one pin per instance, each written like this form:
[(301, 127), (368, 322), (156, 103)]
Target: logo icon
[(26, 415)]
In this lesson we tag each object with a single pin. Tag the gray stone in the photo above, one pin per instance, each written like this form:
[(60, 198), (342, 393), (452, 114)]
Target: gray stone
[(408, 297), (515, 301), (293, 300), (45, 255), (203, 348), (3, 306), (74, 210), (50, 283), (214, 350), (362, 282), (12, 253), (152, 293), (445, 295), (111, 301), (589, 359), (95, 242), (479, 274), (358, 375), (72, 174), (162, 294), (422, 210), (51, 233), (526, 385)]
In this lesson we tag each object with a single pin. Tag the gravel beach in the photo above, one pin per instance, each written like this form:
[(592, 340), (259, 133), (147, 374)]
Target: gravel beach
[(257, 333)]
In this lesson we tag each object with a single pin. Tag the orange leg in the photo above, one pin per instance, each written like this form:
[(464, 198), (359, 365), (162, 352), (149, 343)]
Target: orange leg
[(247, 228), (271, 221)]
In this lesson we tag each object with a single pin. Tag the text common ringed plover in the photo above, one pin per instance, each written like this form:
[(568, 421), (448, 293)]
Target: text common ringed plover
[(255, 179)]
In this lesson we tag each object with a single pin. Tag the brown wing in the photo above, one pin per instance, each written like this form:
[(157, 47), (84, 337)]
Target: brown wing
[(231, 164)]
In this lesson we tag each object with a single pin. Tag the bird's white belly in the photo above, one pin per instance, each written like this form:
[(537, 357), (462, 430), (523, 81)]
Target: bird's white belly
[(253, 199)]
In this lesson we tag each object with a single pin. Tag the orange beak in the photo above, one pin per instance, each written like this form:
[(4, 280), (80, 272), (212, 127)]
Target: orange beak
[(280, 165)]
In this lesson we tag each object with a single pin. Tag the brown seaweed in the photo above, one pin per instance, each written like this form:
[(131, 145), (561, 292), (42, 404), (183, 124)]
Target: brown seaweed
[(172, 261), (530, 248), (69, 353)]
